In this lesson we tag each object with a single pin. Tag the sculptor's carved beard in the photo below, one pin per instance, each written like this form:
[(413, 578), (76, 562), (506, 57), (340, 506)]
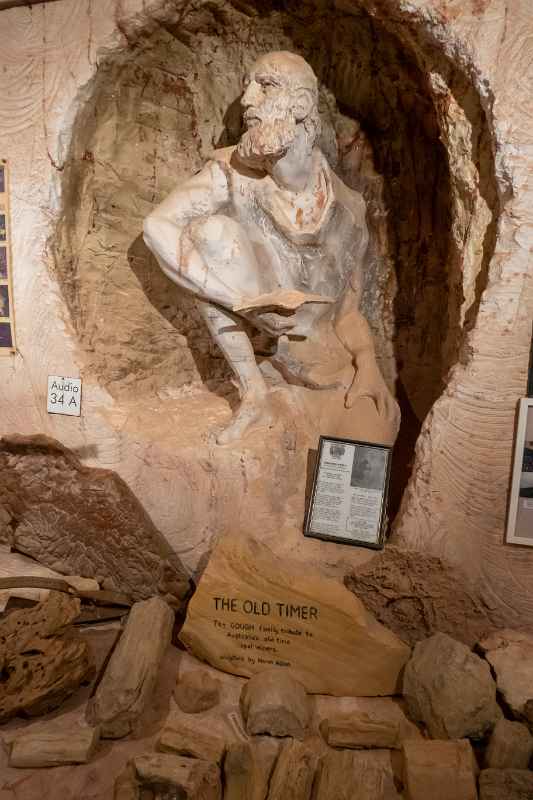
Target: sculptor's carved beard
[(267, 140)]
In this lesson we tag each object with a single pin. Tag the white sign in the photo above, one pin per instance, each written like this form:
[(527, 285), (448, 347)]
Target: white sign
[(64, 395), (348, 501)]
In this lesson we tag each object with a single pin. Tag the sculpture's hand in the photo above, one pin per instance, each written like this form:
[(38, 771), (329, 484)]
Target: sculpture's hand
[(271, 323), (368, 382)]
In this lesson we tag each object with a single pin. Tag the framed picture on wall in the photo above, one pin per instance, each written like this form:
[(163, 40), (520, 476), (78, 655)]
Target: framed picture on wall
[(349, 497), (520, 515)]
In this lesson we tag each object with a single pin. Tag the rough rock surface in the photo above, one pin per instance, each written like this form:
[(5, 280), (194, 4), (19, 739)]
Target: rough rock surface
[(450, 689), (347, 775), (505, 784), (510, 654), (510, 746), (83, 521), (42, 662), (197, 691), (248, 768), (273, 702), (440, 771), (416, 595)]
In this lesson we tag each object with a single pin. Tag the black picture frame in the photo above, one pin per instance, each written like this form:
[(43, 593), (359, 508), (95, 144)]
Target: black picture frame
[(364, 482)]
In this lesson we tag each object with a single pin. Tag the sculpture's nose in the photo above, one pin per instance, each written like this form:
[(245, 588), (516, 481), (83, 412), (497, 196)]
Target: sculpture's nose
[(251, 94)]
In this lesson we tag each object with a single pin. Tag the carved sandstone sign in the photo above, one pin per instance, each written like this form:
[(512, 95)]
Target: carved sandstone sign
[(252, 612)]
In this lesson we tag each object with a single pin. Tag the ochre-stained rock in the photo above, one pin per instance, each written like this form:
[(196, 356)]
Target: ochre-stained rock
[(345, 775), (83, 521), (360, 731), (295, 769), (416, 595), (450, 689), (43, 661), (437, 770), (253, 611), (197, 691), (510, 654), (192, 739), (510, 746), (130, 676), (273, 702), (248, 768), (505, 784)]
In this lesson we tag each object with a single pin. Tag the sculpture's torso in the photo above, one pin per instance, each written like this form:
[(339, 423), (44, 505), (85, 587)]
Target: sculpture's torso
[(315, 250)]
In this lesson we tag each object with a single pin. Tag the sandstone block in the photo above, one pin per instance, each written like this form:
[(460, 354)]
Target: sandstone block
[(253, 611), (189, 778), (130, 676), (360, 730), (83, 521), (450, 689), (295, 769), (510, 654), (197, 691), (345, 775), (192, 740), (274, 702), (510, 746), (47, 748), (506, 784), (439, 770), (42, 667), (248, 767)]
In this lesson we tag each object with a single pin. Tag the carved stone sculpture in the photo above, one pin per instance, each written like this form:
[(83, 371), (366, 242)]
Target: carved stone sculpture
[(267, 238)]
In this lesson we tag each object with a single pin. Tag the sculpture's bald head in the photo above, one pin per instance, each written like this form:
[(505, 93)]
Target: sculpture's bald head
[(292, 70), (281, 92)]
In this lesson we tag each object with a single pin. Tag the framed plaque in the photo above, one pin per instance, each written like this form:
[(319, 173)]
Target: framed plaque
[(520, 515), (349, 496)]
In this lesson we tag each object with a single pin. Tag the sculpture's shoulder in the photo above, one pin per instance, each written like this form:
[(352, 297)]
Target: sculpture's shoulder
[(351, 199)]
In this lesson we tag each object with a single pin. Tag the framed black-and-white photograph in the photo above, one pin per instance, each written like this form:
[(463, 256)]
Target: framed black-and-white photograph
[(520, 516), (349, 495)]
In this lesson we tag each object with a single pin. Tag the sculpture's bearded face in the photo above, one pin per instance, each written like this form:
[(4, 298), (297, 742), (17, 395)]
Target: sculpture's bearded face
[(275, 101)]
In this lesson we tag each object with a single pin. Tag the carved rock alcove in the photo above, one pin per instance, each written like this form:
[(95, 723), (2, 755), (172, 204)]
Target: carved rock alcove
[(411, 133)]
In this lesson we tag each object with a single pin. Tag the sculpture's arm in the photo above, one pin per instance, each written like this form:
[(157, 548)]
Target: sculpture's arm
[(169, 233)]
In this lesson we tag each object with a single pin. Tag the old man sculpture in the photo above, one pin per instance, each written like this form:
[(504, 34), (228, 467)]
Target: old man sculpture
[(267, 237)]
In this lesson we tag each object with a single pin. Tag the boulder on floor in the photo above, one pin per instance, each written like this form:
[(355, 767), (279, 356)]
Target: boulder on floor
[(169, 776), (197, 691), (273, 702), (192, 738), (506, 784), (450, 689), (295, 770), (510, 746), (54, 748), (359, 730), (510, 654)]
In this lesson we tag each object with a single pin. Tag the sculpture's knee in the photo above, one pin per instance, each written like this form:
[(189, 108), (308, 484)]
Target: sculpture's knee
[(221, 238)]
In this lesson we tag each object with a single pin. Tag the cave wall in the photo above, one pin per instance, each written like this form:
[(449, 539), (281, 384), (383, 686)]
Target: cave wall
[(90, 105)]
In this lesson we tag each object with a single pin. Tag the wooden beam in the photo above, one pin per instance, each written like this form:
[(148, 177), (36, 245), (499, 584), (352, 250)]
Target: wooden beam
[(4, 4)]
